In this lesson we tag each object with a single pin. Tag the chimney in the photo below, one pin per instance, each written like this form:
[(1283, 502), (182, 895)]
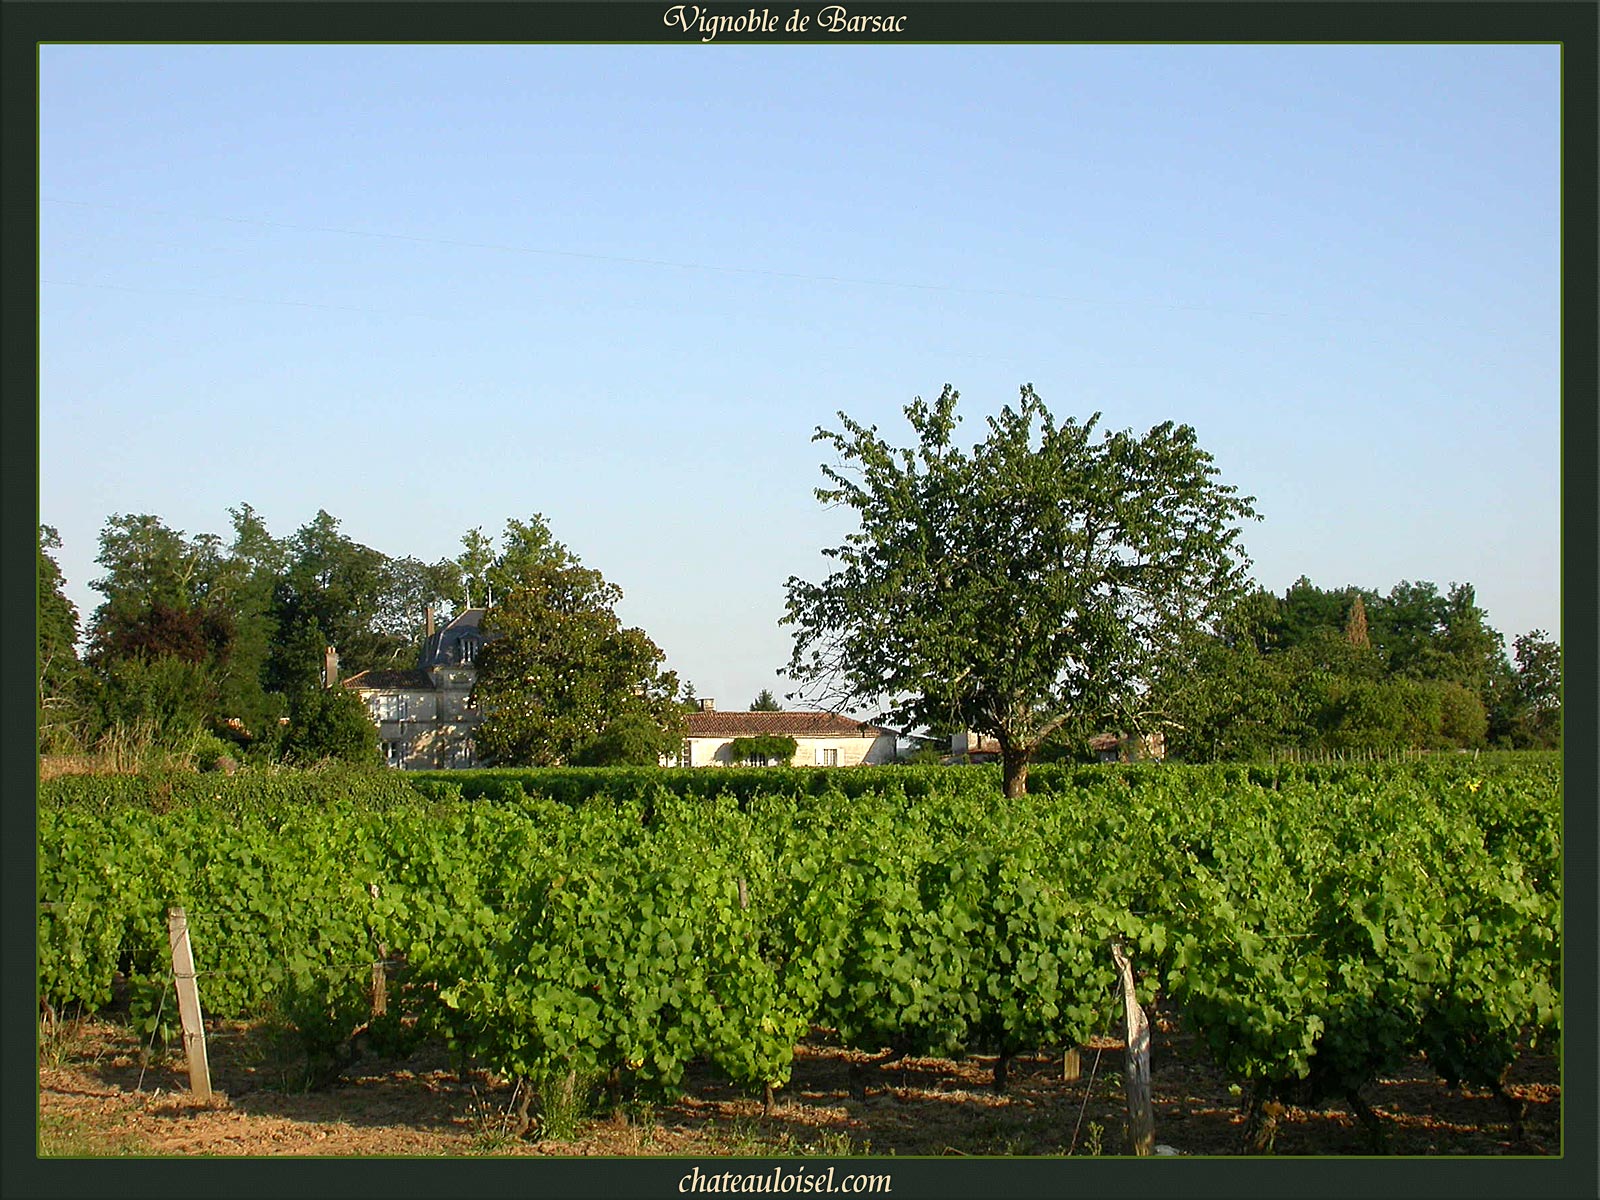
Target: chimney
[(330, 666), (427, 621), (707, 704)]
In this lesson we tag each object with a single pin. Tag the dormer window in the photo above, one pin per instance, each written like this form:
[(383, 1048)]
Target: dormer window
[(469, 650)]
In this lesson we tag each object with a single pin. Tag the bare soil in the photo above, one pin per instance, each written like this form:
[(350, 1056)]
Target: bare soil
[(101, 1095)]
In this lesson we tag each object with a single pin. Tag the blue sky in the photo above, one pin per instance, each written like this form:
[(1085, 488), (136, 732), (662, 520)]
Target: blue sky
[(431, 288)]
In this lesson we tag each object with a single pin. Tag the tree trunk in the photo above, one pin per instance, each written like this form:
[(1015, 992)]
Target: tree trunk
[(519, 1122), (1262, 1111), (1515, 1109), (1136, 1061), (1015, 764), (1377, 1141), (614, 1095), (1002, 1065)]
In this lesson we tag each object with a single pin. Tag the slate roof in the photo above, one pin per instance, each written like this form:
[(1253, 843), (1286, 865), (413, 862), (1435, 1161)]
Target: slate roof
[(444, 648), (778, 724)]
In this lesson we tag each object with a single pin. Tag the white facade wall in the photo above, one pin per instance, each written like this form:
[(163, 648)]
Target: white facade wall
[(423, 730), (967, 742), (390, 707), (809, 752)]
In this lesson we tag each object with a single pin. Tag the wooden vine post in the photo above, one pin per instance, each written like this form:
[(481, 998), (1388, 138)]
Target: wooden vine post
[(1071, 1066), (1136, 1064), (194, 1030), (769, 1102), (380, 984)]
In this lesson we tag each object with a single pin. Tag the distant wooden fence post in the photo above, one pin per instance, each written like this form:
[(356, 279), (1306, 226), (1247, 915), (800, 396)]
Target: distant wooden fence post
[(1136, 1065), (194, 1030)]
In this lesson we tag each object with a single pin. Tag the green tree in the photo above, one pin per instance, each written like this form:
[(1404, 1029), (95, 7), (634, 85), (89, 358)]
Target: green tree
[(1031, 585), (630, 740), (1344, 669), (58, 671), (1536, 692), (160, 644), (483, 571), (1308, 613), (156, 582), (1227, 702), (763, 750), (1469, 648), (247, 582), (57, 616), (146, 562), (471, 569), (1463, 719), (333, 589), (409, 588), (1406, 626), (165, 701), (330, 723), (525, 548), (765, 702), (560, 673)]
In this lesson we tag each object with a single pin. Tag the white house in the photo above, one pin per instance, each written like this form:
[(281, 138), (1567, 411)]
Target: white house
[(822, 739), (1106, 747)]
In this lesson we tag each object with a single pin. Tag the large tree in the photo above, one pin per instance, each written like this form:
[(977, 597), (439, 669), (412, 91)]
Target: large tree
[(561, 680), (1030, 585), (161, 642), (57, 668), (482, 570), (332, 590), (1534, 716), (1228, 696), (248, 581), (1345, 669)]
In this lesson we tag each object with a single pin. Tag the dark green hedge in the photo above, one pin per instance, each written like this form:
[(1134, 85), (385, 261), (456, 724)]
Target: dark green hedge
[(248, 791), (252, 790)]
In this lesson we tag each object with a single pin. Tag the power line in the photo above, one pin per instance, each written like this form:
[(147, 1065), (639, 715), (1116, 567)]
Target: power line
[(457, 315), (115, 287), (718, 268)]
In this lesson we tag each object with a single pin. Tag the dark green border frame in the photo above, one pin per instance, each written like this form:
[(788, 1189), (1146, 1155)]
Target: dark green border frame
[(1572, 24)]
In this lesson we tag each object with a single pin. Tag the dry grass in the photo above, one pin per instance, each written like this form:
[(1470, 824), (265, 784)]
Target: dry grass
[(53, 766)]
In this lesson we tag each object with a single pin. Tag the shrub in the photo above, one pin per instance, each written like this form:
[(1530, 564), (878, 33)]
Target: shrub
[(330, 723), (766, 747)]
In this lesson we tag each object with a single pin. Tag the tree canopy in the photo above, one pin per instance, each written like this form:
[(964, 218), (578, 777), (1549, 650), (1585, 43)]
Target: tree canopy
[(1029, 585), (330, 723), (1353, 669), (561, 680), (57, 668), (1050, 582), (228, 636)]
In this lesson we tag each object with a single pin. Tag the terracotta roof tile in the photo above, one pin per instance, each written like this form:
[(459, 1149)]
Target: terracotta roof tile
[(412, 680), (778, 724)]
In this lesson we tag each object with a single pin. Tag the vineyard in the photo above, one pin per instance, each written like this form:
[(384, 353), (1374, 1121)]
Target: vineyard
[(1316, 926)]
